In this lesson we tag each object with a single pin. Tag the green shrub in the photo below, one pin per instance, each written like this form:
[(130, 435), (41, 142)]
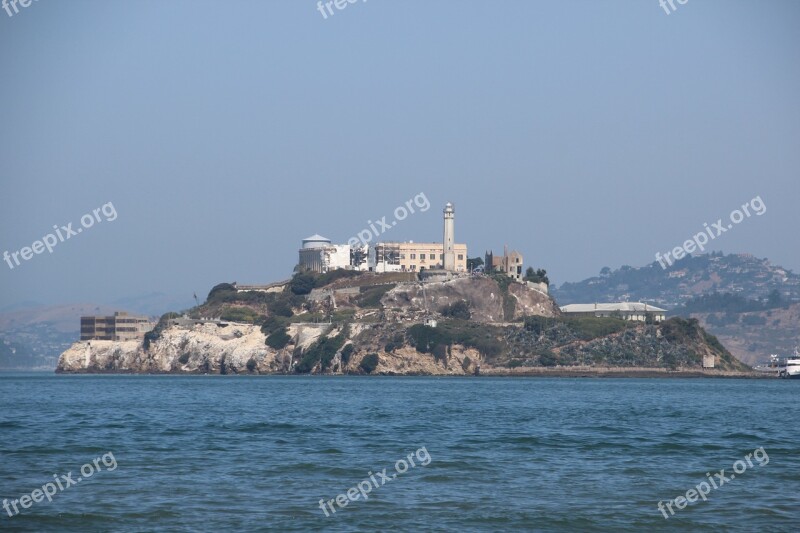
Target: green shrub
[(272, 324), (184, 358), (589, 327), (425, 338), (536, 276), (371, 297), (548, 358), (347, 351), (369, 363), (280, 307), (539, 324), (251, 365), (302, 283), (322, 351), (458, 309), (221, 293), (240, 314), (678, 329), (278, 339), (440, 352)]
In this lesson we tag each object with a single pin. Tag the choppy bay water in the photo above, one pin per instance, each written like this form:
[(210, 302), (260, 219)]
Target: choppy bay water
[(210, 453)]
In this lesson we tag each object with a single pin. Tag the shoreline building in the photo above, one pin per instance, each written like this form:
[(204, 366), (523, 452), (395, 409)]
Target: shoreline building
[(632, 311), (120, 327)]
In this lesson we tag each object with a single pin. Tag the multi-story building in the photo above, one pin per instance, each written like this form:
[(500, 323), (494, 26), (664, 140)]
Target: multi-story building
[(414, 256), (120, 327), (510, 264)]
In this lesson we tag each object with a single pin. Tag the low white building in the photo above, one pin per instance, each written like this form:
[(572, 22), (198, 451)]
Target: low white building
[(633, 311)]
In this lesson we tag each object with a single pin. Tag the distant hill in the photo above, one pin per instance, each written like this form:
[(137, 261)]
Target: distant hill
[(738, 274), (752, 306), (33, 338)]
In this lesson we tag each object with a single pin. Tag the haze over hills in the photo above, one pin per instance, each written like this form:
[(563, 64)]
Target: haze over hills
[(32, 336), (692, 276), (752, 306)]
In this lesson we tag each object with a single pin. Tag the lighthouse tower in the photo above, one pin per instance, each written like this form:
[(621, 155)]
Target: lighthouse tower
[(449, 238)]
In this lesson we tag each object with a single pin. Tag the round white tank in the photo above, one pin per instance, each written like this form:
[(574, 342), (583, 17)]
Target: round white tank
[(316, 241)]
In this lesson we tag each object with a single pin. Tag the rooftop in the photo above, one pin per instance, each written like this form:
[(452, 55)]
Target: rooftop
[(620, 306)]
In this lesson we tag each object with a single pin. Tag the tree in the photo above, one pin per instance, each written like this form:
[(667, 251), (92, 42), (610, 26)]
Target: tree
[(605, 272), (774, 299), (278, 339), (302, 283), (536, 276), (369, 363), (473, 263), (459, 309)]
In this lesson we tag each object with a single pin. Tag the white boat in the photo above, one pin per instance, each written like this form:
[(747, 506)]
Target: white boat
[(792, 368), (773, 365)]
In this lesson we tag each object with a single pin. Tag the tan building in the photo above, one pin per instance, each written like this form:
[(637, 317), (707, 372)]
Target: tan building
[(510, 264), (120, 327), (414, 256)]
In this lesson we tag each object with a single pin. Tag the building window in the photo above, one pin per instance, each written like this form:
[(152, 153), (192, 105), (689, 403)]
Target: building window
[(460, 257), (402, 256), (413, 256), (433, 256), (441, 257)]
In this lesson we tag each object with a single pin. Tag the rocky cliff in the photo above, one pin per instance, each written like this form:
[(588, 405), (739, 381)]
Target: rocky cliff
[(463, 326)]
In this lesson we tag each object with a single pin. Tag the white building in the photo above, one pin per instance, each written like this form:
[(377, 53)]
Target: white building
[(318, 254), (633, 311)]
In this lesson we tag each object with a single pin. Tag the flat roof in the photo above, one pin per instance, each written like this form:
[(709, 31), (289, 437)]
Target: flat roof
[(619, 306)]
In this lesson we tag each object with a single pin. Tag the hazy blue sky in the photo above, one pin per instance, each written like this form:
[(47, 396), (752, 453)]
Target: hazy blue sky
[(582, 133)]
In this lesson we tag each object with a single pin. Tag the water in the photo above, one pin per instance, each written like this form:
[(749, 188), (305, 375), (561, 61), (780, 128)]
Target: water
[(211, 453)]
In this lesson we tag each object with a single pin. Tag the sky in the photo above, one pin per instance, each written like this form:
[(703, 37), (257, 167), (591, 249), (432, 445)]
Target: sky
[(218, 135)]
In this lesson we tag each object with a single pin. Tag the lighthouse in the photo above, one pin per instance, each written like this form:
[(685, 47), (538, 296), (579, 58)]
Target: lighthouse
[(449, 238)]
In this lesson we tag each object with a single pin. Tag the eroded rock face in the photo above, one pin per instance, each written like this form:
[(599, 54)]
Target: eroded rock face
[(241, 349), (206, 348), (407, 302), (407, 361)]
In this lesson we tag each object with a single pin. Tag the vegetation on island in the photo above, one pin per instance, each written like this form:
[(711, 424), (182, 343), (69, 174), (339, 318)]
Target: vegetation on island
[(532, 341)]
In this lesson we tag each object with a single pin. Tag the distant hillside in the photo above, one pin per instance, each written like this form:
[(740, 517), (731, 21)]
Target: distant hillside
[(752, 336), (752, 306), (33, 338), (738, 274)]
